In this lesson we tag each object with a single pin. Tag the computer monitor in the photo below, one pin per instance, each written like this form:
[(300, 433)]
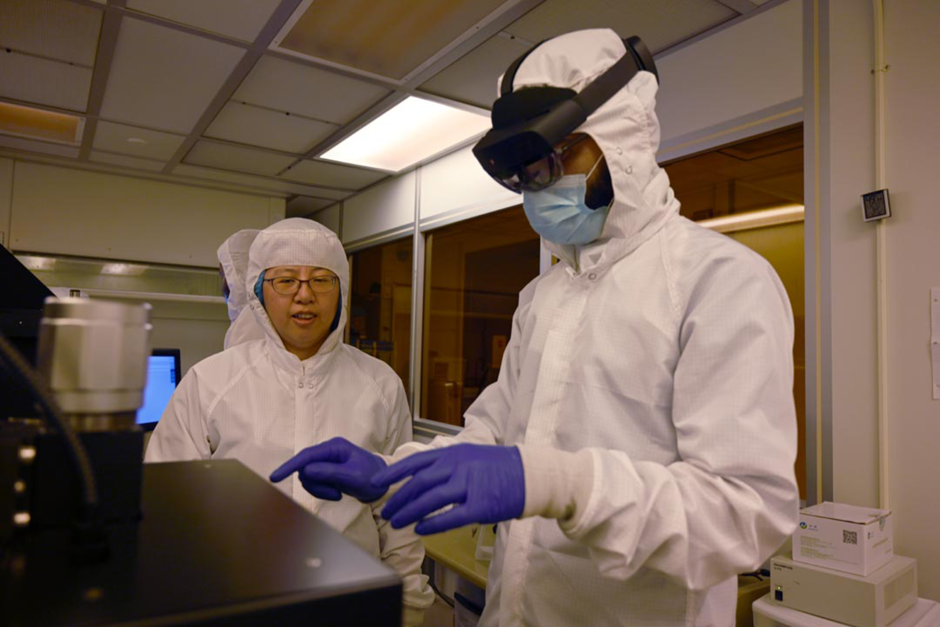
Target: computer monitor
[(163, 375)]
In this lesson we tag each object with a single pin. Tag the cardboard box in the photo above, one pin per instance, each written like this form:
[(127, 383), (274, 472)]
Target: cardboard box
[(856, 540)]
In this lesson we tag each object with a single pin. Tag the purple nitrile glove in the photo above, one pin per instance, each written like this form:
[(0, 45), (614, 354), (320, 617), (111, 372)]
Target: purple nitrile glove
[(334, 468), (486, 484)]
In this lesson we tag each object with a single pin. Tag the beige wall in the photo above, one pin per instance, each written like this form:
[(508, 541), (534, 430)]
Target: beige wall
[(90, 214), (913, 135), (6, 193), (848, 255)]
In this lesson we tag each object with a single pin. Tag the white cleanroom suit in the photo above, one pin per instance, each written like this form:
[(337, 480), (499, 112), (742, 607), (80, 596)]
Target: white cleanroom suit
[(258, 403), (233, 255), (648, 384)]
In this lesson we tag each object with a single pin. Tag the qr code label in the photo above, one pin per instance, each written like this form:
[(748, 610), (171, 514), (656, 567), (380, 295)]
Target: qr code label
[(849, 537)]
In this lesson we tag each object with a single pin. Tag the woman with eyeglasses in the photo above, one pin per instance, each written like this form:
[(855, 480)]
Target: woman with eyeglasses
[(263, 401)]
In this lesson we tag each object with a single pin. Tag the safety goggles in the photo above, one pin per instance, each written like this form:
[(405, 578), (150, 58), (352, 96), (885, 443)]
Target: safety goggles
[(521, 151), (542, 173)]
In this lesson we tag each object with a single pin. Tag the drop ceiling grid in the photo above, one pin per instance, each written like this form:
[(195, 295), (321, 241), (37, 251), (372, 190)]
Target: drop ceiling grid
[(255, 126), (660, 24), (44, 82), (315, 93), (53, 29), (240, 19), (113, 137), (237, 158), (165, 78), (332, 175)]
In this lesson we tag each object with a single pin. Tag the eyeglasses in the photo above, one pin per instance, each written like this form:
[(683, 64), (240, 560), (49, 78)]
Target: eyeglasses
[(542, 173), (288, 286)]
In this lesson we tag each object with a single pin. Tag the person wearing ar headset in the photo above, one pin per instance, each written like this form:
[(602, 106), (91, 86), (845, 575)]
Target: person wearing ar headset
[(638, 446)]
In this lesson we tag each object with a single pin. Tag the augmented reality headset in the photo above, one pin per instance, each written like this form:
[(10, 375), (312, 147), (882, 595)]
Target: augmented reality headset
[(519, 151)]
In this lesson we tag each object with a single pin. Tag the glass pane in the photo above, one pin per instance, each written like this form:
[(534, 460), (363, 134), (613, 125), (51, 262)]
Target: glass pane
[(758, 173), (474, 272), (380, 304)]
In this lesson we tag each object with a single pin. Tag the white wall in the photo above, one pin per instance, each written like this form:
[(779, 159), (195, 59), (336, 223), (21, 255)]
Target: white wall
[(388, 206), (848, 255), (456, 183), (329, 218), (90, 214), (737, 82), (913, 94)]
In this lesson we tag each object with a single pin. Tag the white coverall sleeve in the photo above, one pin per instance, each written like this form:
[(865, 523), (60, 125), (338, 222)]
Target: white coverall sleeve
[(180, 434), (731, 499), (403, 549)]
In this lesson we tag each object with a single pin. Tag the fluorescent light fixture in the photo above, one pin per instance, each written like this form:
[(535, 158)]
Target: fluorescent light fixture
[(755, 219), (409, 132), (41, 264), (40, 124), (123, 269)]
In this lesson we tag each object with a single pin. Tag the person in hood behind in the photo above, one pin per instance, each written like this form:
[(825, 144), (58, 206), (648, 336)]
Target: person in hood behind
[(638, 446), (233, 264), (262, 401)]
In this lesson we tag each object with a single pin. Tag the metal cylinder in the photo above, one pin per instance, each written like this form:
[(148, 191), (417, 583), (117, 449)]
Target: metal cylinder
[(93, 354)]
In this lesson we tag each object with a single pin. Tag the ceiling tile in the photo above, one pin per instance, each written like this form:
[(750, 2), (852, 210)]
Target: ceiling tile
[(255, 126), (304, 205), (29, 145), (660, 23), (124, 160), (241, 19), (237, 158), (288, 86), (332, 175), (279, 185), (114, 138), (52, 83), (388, 38), (56, 29), (473, 77), (163, 78)]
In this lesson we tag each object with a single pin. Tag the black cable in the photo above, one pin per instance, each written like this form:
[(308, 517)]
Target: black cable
[(51, 411)]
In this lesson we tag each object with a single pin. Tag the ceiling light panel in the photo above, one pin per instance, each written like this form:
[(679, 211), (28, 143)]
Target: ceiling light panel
[(248, 124), (473, 77), (163, 78), (325, 96), (127, 162), (138, 142), (241, 19), (660, 24), (237, 158), (389, 38), (55, 29), (411, 131), (40, 124), (41, 81), (27, 145), (332, 175), (278, 185)]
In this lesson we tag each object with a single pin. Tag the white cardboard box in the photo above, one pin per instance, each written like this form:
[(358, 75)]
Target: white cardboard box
[(851, 539)]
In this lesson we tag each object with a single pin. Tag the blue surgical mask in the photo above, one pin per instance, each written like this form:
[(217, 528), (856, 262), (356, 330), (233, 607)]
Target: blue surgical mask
[(559, 213)]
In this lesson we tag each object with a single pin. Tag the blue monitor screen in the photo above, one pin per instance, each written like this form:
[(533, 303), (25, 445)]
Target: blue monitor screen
[(162, 377)]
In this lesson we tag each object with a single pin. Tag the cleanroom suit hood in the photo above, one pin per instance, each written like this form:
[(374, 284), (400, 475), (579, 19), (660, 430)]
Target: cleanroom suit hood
[(298, 242), (626, 130), (648, 385), (233, 255), (260, 404)]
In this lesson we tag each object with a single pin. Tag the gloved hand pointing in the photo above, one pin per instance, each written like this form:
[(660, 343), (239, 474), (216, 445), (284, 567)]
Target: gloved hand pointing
[(334, 468), (485, 483)]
